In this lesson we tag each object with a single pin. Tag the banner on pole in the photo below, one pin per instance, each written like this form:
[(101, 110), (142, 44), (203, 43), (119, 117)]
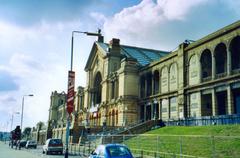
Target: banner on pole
[(70, 94)]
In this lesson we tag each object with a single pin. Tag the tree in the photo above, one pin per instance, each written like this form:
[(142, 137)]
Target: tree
[(40, 125), (27, 132)]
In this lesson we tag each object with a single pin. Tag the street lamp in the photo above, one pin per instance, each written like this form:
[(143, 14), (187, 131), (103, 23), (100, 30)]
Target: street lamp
[(100, 38), (29, 95), (12, 119)]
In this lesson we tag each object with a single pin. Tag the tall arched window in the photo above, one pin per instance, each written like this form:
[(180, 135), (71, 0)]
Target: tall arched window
[(206, 64), (113, 118), (97, 89), (156, 82), (220, 54), (235, 53), (164, 80), (193, 70), (173, 77), (142, 86), (149, 84)]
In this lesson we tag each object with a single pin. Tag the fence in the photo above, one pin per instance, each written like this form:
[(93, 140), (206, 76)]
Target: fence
[(205, 120), (174, 146)]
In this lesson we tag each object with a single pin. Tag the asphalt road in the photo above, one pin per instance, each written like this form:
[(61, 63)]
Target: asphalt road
[(7, 152)]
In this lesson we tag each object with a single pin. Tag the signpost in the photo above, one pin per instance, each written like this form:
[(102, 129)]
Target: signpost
[(70, 102), (70, 94)]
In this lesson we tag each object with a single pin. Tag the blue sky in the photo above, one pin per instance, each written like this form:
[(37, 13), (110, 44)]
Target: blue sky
[(35, 41)]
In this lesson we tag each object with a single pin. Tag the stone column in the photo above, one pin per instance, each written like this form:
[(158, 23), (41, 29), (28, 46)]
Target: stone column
[(229, 63), (152, 110), (230, 109), (214, 110), (213, 66), (160, 110), (145, 110)]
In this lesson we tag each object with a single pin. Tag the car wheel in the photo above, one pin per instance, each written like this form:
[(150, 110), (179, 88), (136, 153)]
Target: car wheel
[(47, 152), (43, 152), (61, 153)]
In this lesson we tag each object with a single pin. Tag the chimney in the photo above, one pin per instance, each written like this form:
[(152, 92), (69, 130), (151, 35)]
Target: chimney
[(114, 46)]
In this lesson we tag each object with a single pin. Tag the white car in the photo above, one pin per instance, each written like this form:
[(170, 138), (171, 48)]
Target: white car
[(53, 146), (31, 144)]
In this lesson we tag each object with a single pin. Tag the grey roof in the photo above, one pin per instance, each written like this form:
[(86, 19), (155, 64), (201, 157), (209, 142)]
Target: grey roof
[(142, 55)]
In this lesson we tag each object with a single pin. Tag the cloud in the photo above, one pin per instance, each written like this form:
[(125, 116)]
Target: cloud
[(147, 20)]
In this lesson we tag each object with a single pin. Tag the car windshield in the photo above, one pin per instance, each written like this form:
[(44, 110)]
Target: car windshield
[(55, 141), (118, 151)]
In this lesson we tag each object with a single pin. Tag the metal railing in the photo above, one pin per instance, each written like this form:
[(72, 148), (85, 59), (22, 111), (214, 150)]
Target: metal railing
[(168, 146), (205, 120)]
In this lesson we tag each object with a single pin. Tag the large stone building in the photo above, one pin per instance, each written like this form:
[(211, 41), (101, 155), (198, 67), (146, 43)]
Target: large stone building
[(128, 84)]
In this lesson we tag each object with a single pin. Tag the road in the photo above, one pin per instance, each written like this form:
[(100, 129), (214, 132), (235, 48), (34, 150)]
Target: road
[(6, 152)]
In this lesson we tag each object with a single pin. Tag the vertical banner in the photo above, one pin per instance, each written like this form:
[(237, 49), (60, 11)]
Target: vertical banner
[(70, 94)]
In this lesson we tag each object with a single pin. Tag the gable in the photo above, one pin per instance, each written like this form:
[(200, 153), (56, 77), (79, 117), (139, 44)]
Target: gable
[(95, 51)]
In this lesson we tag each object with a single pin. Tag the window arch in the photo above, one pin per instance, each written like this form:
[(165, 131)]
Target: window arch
[(173, 76), (206, 64), (156, 82), (164, 79), (235, 52), (142, 86), (149, 83), (220, 54), (97, 97), (193, 73)]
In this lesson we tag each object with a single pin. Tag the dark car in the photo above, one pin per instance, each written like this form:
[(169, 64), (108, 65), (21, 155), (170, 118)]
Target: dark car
[(31, 144), (22, 143), (111, 151), (53, 146)]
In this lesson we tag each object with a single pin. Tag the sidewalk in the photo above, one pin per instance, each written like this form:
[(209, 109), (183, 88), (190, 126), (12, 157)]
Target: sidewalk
[(7, 152)]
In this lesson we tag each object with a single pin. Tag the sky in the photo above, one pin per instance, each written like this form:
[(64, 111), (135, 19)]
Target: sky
[(35, 41)]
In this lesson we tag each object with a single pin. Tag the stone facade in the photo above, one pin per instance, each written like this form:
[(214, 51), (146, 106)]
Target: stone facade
[(126, 84)]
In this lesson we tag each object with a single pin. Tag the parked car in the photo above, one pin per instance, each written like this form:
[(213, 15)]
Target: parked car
[(22, 143), (111, 151), (31, 144), (53, 146)]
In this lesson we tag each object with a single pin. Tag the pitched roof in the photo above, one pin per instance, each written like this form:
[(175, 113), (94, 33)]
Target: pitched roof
[(144, 56)]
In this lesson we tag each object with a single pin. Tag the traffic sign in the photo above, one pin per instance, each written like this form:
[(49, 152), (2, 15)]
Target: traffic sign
[(70, 94)]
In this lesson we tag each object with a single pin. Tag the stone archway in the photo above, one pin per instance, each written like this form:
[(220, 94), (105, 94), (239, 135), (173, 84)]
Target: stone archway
[(206, 65)]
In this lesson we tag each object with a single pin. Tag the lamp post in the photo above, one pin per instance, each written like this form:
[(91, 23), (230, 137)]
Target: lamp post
[(12, 119), (71, 81), (29, 95)]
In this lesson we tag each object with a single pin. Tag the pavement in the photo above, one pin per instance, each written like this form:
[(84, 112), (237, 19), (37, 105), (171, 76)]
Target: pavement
[(7, 152)]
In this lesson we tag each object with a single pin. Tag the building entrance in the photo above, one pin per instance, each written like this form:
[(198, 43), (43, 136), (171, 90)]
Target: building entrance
[(236, 101), (148, 112), (221, 102), (206, 104)]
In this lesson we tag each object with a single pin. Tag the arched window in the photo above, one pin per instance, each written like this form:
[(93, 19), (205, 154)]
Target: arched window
[(109, 118), (173, 77), (206, 64), (235, 53), (164, 80), (142, 86), (116, 117), (97, 89), (113, 118), (156, 82), (220, 54), (193, 70), (149, 84)]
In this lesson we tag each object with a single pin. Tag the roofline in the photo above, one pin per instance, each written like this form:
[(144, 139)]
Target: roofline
[(214, 35), (166, 52)]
